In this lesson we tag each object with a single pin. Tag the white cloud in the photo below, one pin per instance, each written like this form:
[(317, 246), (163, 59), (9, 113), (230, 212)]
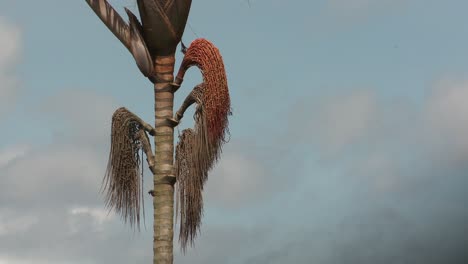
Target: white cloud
[(447, 117), (346, 119), (67, 174), (335, 122), (236, 180), (10, 37), (85, 120), (15, 225), (52, 210), (99, 217), (379, 170), (99, 214), (382, 142), (358, 119), (9, 154)]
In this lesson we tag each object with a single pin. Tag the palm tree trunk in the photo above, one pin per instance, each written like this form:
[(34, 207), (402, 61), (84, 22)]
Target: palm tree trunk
[(164, 179)]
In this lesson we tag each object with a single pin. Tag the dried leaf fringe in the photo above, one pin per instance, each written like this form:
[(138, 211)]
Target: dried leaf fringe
[(199, 149), (123, 190), (189, 188)]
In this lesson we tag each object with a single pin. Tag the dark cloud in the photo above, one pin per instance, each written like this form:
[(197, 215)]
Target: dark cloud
[(392, 192)]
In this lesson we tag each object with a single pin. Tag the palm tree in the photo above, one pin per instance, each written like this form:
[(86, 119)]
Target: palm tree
[(152, 43)]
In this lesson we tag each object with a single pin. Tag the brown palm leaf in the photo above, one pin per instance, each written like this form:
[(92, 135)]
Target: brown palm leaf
[(121, 182), (129, 34)]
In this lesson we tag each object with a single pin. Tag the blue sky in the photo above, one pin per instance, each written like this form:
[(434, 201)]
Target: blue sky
[(348, 138)]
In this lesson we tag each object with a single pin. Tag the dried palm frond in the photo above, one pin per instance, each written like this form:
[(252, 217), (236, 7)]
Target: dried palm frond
[(131, 34), (199, 149), (189, 198), (121, 182)]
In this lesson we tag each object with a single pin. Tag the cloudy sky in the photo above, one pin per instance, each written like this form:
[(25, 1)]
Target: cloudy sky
[(348, 140)]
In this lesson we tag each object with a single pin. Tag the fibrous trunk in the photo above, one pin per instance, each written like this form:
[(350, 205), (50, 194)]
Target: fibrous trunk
[(164, 178)]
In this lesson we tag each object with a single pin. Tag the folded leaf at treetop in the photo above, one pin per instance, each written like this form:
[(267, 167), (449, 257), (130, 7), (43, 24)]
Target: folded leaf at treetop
[(163, 24)]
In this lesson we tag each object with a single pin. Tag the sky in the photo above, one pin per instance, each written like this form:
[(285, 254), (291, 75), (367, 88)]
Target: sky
[(348, 134)]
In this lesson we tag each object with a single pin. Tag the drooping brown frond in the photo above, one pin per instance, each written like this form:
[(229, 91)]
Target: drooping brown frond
[(199, 149), (189, 199), (121, 182)]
